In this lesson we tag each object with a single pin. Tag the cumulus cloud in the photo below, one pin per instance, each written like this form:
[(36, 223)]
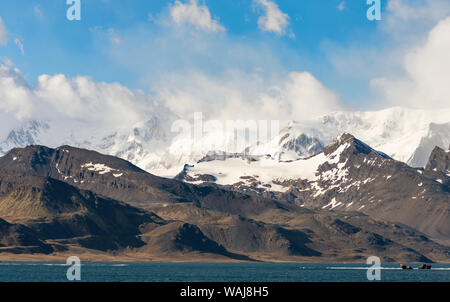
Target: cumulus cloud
[(80, 97), (109, 105), (387, 66), (196, 15), (221, 76), (237, 95), (273, 19), (15, 95), (306, 97), (100, 105), (424, 10), (3, 33), (410, 20), (427, 73)]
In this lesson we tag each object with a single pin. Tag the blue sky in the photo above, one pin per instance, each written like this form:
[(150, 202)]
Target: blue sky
[(139, 43), (52, 44)]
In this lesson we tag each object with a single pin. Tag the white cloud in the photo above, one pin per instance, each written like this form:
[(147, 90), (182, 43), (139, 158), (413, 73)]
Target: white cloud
[(307, 97), (410, 20), (3, 33), (38, 11), (108, 105), (4, 37), (238, 95), (385, 61), (403, 10), (82, 98), (427, 73), (341, 6), (16, 97), (19, 45), (273, 20), (195, 15), (218, 74)]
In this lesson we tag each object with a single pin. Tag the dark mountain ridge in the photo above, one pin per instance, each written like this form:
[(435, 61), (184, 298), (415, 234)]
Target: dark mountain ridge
[(120, 180), (69, 197)]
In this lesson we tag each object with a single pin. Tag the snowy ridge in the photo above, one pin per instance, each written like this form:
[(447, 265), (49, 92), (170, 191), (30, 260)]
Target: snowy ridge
[(347, 175), (265, 172), (407, 135)]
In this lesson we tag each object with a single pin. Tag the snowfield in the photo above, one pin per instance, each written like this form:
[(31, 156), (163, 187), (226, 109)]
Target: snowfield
[(267, 170)]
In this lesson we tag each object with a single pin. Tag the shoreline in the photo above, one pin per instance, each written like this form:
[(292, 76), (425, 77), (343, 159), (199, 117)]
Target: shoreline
[(92, 258)]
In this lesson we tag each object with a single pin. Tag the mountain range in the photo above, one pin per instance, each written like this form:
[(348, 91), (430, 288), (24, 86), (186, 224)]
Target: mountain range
[(407, 135), (344, 203), (347, 175)]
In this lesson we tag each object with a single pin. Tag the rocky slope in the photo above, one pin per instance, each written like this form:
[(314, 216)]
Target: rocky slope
[(309, 235), (347, 175), (44, 215), (118, 179), (58, 211), (177, 220), (16, 238), (439, 161)]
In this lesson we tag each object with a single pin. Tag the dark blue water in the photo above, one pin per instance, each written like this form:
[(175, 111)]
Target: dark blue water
[(219, 272)]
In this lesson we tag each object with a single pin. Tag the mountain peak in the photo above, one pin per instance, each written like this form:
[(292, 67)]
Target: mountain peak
[(28, 134), (439, 161), (347, 175), (350, 145)]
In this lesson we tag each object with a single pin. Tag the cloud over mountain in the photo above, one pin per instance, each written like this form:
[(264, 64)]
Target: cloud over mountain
[(295, 95), (426, 73), (68, 99), (16, 96)]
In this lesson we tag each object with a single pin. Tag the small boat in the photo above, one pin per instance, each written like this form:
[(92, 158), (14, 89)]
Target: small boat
[(408, 267), (425, 266)]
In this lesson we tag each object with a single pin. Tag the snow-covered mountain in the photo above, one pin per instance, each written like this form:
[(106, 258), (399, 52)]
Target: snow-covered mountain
[(145, 143), (180, 217), (29, 134), (347, 175), (406, 135)]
